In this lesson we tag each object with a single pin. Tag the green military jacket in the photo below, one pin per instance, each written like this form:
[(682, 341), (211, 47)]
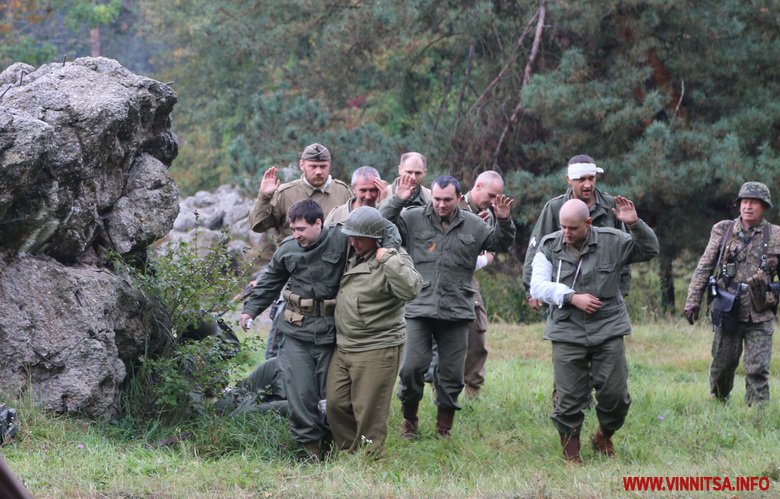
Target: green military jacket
[(603, 257), (313, 272), (371, 299), (270, 210), (547, 223), (446, 259), (746, 259)]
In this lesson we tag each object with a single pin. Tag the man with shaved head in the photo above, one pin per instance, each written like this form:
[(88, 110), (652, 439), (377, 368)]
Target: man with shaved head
[(576, 271), (414, 166)]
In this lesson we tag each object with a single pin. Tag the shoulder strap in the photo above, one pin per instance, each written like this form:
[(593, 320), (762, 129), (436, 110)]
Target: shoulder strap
[(725, 240)]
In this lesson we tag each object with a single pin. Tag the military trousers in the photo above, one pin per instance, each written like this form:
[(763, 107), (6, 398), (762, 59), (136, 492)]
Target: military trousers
[(573, 367), (476, 351), (451, 339), (726, 350), (304, 367), (359, 390)]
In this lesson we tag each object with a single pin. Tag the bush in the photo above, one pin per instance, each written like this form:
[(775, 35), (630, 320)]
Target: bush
[(191, 288)]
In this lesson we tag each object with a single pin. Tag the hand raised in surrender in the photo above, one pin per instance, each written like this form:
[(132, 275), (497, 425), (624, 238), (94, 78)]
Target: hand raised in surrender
[(269, 183)]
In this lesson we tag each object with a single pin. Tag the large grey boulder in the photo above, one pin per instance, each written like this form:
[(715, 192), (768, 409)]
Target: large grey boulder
[(84, 148)]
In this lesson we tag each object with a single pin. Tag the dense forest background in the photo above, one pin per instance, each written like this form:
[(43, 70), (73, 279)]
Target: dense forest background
[(676, 99)]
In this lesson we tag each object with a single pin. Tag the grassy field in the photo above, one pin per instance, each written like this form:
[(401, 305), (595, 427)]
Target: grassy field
[(503, 445)]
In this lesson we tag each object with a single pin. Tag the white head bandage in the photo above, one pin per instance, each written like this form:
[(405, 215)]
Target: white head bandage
[(577, 170)]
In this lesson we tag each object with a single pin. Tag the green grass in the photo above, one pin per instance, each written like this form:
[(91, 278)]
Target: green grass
[(503, 445)]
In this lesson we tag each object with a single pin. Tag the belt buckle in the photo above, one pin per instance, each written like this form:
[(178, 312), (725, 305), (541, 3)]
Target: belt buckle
[(317, 309)]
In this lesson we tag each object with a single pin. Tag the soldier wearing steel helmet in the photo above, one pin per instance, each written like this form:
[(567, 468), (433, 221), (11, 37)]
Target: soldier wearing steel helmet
[(370, 333), (742, 256)]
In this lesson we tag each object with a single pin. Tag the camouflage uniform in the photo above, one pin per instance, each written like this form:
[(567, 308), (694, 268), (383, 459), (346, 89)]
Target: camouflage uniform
[(743, 253)]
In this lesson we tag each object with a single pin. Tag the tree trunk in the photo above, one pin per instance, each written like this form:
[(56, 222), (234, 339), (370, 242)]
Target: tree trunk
[(667, 281), (94, 39)]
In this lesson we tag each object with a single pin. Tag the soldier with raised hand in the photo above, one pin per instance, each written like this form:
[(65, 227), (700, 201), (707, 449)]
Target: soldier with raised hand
[(581, 176), (576, 270), (487, 187), (742, 256), (316, 183), (369, 190), (414, 166), (444, 242)]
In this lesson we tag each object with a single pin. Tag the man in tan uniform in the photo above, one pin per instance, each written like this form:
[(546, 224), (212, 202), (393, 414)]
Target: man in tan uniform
[(273, 200)]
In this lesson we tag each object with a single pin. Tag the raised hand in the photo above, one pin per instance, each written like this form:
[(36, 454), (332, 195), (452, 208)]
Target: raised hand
[(269, 183), (502, 206), (405, 186), (381, 186), (625, 211)]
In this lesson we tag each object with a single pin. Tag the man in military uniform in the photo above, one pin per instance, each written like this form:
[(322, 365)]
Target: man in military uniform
[(581, 177), (261, 391), (369, 190), (414, 165), (273, 201), (444, 243), (576, 270), (312, 260), (742, 254), (488, 186), (370, 334)]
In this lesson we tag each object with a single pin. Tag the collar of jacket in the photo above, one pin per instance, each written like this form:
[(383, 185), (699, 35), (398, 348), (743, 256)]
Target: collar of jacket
[(466, 204), (310, 189), (756, 228), (599, 199), (323, 236), (560, 249), (457, 217)]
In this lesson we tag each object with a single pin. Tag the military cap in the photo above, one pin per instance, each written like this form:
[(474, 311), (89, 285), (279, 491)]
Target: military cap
[(364, 222), (315, 152), (755, 190)]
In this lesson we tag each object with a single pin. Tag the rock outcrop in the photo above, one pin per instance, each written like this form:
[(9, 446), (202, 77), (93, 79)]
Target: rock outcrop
[(84, 148)]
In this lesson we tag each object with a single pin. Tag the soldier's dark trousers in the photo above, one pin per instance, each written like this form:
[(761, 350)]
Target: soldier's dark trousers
[(477, 351), (359, 389), (451, 338), (305, 367), (571, 367), (726, 351)]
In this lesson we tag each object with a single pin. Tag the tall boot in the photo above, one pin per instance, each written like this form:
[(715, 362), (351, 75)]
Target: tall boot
[(444, 418), (571, 447), (409, 426), (602, 442)]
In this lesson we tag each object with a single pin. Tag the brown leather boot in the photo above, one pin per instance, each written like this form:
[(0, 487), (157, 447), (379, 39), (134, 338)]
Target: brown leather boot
[(409, 426), (602, 442), (444, 419), (571, 447)]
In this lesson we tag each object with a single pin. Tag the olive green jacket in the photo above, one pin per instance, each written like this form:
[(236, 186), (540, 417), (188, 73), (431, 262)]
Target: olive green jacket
[(270, 210), (446, 259), (370, 303), (605, 254), (313, 272), (547, 223)]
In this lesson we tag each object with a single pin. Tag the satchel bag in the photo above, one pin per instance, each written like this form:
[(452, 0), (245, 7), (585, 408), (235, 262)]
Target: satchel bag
[(725, 311)]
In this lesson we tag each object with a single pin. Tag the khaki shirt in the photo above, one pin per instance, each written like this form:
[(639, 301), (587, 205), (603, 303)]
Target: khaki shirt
[(270, 210)]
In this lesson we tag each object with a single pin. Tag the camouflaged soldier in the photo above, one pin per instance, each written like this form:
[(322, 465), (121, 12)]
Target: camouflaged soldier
[(273, 200), (747, 267)]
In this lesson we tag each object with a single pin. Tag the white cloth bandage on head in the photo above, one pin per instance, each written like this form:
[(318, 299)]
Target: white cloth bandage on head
[(577, 170)]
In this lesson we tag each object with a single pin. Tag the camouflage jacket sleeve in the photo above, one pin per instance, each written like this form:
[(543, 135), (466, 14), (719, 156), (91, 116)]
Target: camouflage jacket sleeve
[(706, 264), (545, 224)]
